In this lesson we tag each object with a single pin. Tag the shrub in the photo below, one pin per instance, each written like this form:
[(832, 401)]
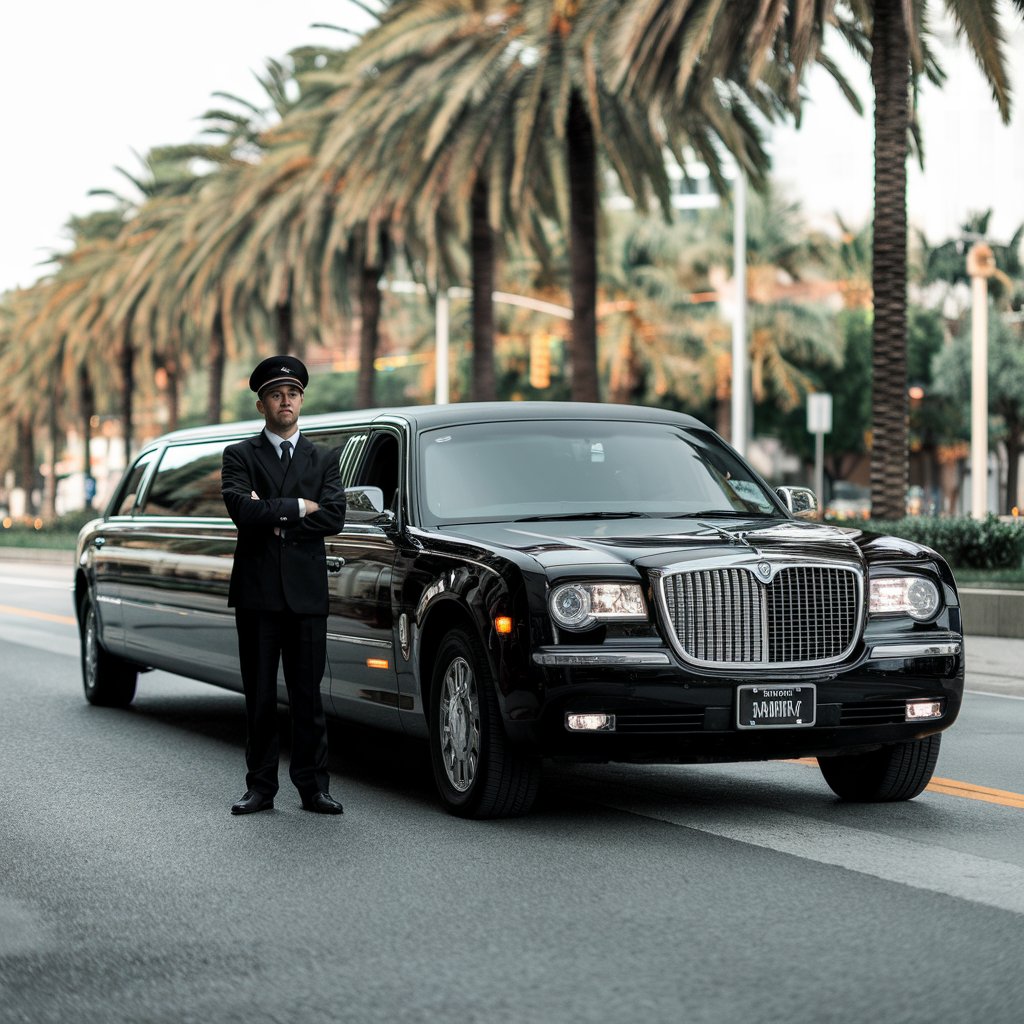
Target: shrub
[(965, 543)]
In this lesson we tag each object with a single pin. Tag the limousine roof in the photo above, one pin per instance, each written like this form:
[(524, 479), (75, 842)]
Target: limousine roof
[(425, 417)]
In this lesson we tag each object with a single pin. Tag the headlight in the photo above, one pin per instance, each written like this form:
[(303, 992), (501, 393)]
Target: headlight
[(907, 595), (581, 605)]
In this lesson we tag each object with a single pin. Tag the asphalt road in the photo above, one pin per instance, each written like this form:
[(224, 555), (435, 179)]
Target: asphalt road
[(704, 894)]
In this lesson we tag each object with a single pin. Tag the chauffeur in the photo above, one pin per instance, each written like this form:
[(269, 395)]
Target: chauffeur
[(284, 496)]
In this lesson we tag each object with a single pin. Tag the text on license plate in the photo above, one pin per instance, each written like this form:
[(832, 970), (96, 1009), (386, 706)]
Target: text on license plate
[(775, 707)]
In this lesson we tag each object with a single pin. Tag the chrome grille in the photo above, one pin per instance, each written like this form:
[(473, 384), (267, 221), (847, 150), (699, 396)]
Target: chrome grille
[(727, 616)]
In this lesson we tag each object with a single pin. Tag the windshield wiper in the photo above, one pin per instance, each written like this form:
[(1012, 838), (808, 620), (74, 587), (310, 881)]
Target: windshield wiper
[(583, 515), (712, 512)]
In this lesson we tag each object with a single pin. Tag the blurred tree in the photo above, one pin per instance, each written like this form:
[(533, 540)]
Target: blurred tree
[(947, 261), (952, 378)]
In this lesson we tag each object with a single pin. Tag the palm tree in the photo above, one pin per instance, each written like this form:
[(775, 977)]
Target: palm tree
[(512, 105), (898, 57), (662, 50)]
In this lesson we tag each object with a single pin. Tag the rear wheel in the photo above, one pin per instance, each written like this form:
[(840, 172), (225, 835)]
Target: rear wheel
[(899, 771), (108, 681), (477, 772)]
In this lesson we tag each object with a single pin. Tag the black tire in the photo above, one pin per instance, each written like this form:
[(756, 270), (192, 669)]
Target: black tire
[(109, 682), (897, 772), (477, 772)]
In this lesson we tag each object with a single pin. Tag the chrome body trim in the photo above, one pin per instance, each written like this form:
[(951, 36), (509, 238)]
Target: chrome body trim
[(361, 641), (935, 649), (592, 656)]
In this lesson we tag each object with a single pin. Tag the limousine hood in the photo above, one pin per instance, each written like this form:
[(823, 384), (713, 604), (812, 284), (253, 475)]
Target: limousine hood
[(561, 543)]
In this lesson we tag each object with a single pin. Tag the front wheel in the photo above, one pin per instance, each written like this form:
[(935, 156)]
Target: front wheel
[(109, 682), (899, 771), (477, 772)]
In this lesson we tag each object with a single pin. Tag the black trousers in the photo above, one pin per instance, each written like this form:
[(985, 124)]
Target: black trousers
[(265, 640)]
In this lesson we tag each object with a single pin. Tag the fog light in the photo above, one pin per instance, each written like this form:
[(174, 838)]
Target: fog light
[(589, 722), (918, 710)]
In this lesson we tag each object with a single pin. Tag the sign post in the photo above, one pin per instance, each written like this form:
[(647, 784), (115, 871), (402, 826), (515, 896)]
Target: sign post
[(819, 423)]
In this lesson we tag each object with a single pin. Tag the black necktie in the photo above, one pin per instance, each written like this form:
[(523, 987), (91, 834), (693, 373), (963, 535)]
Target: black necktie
[(286, 454)]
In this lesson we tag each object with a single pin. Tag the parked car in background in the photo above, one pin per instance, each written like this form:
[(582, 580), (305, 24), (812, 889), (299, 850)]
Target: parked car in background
[(521, 581), (848, 501)]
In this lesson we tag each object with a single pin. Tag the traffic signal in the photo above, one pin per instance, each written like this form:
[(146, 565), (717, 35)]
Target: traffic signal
[(540, 360)]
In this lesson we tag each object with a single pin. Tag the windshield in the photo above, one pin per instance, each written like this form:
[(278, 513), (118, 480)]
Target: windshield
[(519, 470)]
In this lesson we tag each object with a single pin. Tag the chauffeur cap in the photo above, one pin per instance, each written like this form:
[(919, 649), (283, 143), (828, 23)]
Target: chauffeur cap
[(279, 370)]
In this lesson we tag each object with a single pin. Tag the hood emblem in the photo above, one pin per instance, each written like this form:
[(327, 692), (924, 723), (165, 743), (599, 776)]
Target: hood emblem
[(764, 570)]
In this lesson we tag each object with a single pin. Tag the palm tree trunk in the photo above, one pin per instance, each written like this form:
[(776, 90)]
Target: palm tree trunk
[(87, 408), (482, 246), (49, 510), (285, 328), (214, 397), (582, 155), (369, 333), (26, 468), (173, 393), (890, 77), (127, 361)]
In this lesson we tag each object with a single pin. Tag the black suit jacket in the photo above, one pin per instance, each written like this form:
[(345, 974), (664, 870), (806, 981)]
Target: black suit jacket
[(286, 570)]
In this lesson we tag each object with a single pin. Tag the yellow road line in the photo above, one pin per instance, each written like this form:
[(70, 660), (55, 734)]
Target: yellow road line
[(967, 789), (67, 620), (953, 787)]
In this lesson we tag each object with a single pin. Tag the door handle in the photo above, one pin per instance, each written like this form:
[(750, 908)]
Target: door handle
[(334, 565)]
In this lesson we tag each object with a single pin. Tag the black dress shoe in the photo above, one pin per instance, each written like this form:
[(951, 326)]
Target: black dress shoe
[(321, 803), (253, 801)]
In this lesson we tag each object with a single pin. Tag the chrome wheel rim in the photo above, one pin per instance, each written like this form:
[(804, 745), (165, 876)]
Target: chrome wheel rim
[(460, 725), (90, 653)]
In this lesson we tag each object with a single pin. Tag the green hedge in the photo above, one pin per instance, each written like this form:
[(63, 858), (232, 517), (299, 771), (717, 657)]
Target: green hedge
[(965, 543), (58, 533)]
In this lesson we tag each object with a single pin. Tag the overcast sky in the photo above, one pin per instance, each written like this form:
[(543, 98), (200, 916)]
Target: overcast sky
[(87, 85)]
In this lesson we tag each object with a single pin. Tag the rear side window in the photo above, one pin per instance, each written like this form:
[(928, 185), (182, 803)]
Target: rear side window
[(187, 482), (347, 448), (128, 493)]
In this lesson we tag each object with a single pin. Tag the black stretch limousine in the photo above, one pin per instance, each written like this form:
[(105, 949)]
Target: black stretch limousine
[(526, 580)]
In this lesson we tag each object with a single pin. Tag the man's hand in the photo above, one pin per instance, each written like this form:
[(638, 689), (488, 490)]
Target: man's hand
[(311, 506)]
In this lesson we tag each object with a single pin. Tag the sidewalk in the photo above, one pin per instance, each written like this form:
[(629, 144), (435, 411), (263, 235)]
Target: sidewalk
[(995, 665)]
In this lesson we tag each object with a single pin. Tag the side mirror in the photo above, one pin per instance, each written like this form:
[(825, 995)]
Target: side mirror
[(801, 501), (365, 505)]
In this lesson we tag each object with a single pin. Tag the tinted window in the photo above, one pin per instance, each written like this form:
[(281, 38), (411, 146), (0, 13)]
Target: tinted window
[(346, 447), (495, 471), (123, 503), (380, 468), (187, 482)]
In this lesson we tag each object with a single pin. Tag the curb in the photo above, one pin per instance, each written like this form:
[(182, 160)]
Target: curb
[(45, 556), (993, 612)]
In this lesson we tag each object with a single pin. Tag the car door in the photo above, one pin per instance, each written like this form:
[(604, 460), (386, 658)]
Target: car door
[(114, 554), (175, 586), (360, 561)]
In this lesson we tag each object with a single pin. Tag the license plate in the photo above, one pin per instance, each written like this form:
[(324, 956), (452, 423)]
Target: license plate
[(775, 707)]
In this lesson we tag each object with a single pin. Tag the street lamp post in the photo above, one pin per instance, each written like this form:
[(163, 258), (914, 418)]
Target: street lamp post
[(981, 265), (739, 323)]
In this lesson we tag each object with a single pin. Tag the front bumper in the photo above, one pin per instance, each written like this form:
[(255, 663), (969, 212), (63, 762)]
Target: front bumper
[(667, 713)]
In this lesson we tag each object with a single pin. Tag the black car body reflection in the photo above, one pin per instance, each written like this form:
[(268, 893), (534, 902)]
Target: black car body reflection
[(520, 581)]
